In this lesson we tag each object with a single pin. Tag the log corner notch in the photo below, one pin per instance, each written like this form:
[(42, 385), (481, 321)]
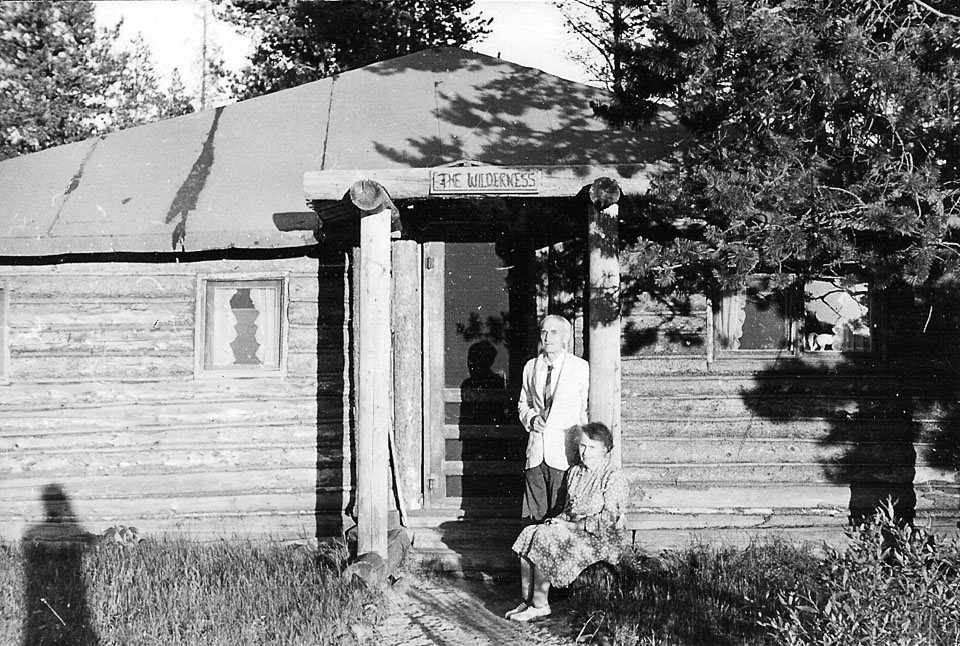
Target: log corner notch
[(603, 245), (374, 404), (371, 197)]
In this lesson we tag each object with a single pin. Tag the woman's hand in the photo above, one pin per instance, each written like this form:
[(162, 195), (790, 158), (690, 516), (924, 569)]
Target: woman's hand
[(569, 524)]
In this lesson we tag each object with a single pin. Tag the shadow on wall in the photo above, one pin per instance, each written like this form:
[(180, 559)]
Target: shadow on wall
[(333, 431), (886, 412), (55, 586)]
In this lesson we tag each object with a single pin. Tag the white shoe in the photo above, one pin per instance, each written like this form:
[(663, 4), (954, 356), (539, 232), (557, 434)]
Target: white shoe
[(523, 606), (531, 613)]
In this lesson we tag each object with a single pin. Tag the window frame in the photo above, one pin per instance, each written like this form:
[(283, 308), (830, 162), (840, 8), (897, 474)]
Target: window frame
[(796, 342), (200, 325)]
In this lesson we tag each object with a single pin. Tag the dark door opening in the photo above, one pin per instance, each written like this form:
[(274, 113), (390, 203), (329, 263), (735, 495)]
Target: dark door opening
[(488, 305)]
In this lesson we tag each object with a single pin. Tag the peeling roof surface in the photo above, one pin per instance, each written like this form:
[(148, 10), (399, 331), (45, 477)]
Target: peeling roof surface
[(213, 180)]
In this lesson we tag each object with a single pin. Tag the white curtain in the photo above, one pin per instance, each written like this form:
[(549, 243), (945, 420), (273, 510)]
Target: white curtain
[(732, 315), (267, 334), (224, 326)]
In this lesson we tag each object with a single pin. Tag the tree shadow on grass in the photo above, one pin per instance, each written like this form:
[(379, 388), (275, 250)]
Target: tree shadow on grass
[(54, 580), (699, 595)]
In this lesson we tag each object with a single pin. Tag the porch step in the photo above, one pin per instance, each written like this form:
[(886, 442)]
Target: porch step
[(495, 564), (465, 544)]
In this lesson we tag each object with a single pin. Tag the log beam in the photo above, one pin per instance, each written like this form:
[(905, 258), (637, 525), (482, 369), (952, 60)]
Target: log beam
[(603, 248), (374, 406), (413, 183)]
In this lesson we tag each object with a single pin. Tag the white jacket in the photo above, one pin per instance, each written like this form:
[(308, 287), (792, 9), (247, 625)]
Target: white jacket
[(557, 444)]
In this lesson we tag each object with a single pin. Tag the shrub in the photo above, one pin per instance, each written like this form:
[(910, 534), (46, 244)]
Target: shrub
[(702, 594), (893, 584)]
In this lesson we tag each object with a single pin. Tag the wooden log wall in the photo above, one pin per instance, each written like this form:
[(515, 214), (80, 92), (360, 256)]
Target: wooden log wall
[(745, 447), (102, 401)]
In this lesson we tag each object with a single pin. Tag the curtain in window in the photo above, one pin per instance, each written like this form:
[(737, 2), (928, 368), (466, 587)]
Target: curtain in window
[(267, 335), (224, 326), (732, 316)]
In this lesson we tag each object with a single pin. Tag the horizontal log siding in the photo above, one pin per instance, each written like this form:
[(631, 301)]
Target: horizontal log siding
[(739, 447), (102, 401)]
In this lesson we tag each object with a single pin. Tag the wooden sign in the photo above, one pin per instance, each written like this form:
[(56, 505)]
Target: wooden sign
[(484, 180)]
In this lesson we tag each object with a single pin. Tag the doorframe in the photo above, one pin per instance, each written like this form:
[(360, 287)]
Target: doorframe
[(434, 299)]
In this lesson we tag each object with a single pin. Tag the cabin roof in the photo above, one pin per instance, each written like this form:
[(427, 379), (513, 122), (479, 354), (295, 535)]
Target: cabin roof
[(213, 180)]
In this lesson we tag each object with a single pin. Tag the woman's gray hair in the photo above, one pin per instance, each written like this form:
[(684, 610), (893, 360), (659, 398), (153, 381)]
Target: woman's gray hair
[(598, 431)]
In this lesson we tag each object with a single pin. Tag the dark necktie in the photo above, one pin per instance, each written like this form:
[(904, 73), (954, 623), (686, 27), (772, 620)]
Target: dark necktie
[(547, 393)]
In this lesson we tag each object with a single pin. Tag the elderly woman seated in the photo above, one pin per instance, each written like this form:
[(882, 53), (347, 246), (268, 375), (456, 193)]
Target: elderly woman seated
[(590, 528)]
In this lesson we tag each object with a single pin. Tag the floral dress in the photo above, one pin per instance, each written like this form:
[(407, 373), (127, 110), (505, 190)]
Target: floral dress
[(560, 552)]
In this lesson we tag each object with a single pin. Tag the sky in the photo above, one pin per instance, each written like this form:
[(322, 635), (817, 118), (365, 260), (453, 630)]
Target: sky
[(528, 32)]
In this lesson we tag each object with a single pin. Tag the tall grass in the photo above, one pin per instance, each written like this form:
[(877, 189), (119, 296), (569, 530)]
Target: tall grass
[(177, 592), (892, 583), (703, 594)]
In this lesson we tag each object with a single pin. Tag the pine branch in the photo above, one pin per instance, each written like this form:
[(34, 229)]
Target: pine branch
[(936, 12)]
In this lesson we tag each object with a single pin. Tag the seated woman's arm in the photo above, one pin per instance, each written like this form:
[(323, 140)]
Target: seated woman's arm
[(610, 516)]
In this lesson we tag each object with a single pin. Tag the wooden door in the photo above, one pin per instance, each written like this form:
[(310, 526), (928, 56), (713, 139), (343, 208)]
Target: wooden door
[(479, 310)]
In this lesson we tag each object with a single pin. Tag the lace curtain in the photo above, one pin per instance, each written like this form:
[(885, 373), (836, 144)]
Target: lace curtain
[(265, 301), (730, 323), (224, 326)]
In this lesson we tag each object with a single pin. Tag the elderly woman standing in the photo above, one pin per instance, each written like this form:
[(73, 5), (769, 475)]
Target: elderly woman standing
[(587, 531)]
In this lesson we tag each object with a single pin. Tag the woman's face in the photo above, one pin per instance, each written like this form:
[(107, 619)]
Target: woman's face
[(591, 451)]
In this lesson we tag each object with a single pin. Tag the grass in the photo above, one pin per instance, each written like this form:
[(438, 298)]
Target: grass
[(703, 594), (176, 592)]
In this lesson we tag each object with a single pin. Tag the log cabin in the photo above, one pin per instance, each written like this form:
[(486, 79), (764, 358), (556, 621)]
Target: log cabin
[(271, 318)]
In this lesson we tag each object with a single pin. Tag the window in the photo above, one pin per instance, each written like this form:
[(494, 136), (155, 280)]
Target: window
[(241, 330), (826, 316)]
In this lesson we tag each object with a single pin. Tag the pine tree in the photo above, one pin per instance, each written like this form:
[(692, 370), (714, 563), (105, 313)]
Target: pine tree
[(300, 42), (55, 75), (63, 80), (825, 139)]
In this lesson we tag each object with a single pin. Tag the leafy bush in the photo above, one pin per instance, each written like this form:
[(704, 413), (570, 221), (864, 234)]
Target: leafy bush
[(893, 584)]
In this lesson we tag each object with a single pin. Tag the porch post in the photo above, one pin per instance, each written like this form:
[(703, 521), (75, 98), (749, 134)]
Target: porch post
[(603, 242), (375, 359)]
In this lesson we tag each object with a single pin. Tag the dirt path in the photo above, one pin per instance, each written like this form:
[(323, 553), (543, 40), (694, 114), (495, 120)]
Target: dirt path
[(463, 612)]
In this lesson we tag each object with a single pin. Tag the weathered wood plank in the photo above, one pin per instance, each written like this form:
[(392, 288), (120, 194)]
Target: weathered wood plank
[(226, 483), (374, 404), (157, 460), (434, 274), (473, 468), (129, 511), (21, 396), (793, 406), (800, 384), (407, 330), (473, 432), (707, 497), (638, 424), (778, 475), (405, 183), (98, 368), (768, 450), (133, 314), (294, 526)]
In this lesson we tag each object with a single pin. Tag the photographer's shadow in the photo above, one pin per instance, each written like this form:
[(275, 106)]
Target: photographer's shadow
[(55, 597)]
